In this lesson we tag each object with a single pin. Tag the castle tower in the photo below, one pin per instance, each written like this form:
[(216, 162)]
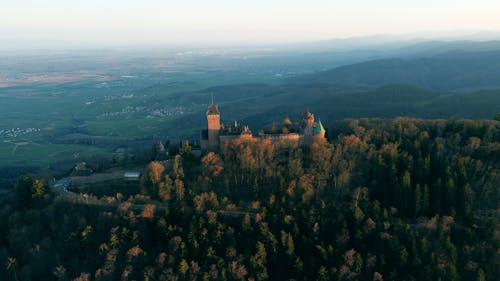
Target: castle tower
[(213, 120), (307, 123)]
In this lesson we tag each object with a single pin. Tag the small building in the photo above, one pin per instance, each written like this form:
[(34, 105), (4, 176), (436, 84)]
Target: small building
[(63, 183), (132, 176), (81, 170)]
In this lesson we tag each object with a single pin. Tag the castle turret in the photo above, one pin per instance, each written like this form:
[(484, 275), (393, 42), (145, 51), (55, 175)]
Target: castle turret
[(319, 130)]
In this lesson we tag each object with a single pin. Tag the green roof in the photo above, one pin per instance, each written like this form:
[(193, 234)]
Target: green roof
[(318, 129)]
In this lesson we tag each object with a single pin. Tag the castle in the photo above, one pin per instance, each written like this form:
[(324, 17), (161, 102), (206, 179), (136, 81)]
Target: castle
[(217, 134)]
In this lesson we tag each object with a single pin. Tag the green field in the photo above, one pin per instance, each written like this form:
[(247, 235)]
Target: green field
[(42, 155), (72, 121)]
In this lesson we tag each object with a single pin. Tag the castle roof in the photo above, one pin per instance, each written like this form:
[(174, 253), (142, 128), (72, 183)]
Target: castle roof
[(213, 109), (307, 115), (234, 129), (318, 129)]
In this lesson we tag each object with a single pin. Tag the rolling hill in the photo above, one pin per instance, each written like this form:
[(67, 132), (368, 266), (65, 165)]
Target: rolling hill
[(453, 70), (259, 105)]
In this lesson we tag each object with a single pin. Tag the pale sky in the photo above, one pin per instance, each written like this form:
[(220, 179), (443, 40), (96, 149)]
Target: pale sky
[(235, 21)]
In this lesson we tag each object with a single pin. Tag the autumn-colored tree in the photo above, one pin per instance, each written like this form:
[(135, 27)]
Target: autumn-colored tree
[(178, 170), (152, 178), (287, 242), (212, 166), (148, 211), (165, 189), (31, 190), (179, 189), (155, 170), (246, 224), (307, 188), (258, 262)]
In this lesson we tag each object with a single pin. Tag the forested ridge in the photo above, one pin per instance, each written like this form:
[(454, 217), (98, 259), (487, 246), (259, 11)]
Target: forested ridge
[(382, 199), (450, 70)]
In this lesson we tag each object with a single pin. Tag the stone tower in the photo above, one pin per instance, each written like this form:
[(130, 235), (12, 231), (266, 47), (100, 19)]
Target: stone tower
[(213, 120), (307, 123)]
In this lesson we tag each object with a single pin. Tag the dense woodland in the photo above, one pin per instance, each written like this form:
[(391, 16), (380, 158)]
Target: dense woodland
[(398, 199)]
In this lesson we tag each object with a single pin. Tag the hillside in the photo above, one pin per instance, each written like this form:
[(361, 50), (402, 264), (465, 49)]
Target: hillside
[(261, 105), (453, 70), (398, 199)]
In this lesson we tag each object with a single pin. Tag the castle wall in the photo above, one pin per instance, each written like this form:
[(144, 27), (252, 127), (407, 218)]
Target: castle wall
[(213, 139), (292, 137), (204, 145), (228, 138)]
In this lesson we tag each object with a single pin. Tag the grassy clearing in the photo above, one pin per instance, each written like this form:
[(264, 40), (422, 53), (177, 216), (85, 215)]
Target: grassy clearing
[(41, 155)]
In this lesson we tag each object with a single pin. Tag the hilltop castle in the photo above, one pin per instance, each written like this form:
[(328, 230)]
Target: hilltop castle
[(217, 134)]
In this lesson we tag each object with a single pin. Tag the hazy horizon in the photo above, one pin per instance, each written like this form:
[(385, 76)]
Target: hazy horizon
[(224, 22)]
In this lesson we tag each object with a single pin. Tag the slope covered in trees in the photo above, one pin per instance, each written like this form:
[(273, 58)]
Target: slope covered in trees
[(261, 105), (448, 71), (400, 199)]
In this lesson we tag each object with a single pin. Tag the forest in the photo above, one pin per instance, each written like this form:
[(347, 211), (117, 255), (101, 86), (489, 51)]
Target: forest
[(380, 199)]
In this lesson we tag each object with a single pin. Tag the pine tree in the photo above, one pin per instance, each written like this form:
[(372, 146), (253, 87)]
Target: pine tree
[(246, 224), (480, 275), (417, 200), (425, 200)]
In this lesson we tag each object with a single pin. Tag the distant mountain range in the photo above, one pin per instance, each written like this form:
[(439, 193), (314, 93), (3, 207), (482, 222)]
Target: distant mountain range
[(431, 48), (453, 70)]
